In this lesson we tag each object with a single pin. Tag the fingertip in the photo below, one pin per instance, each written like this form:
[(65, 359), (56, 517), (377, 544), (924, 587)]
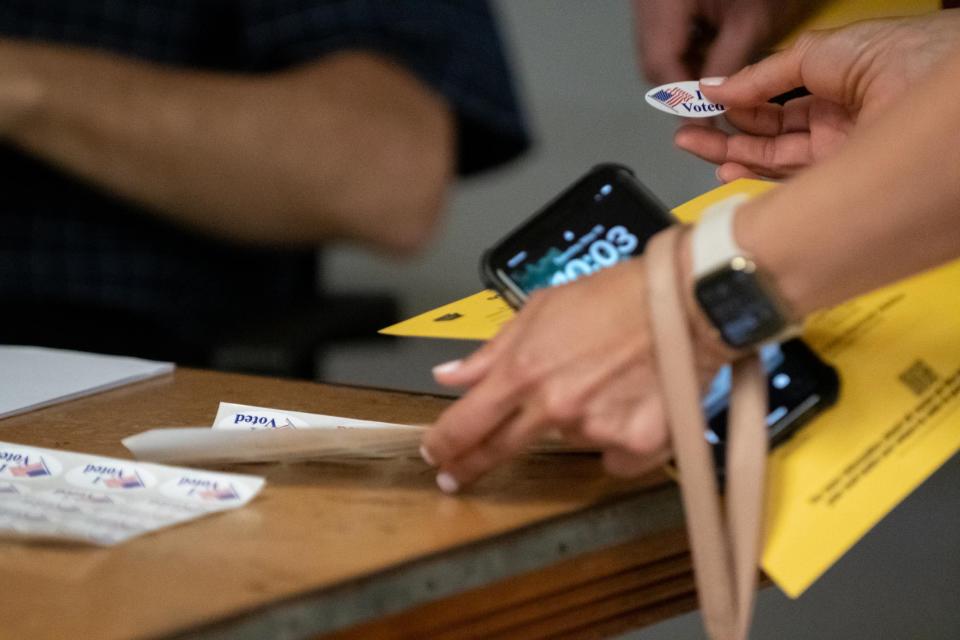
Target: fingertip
[(447, 483), (730, 171), (660, 67), (427, 456), (446, 369), (682, 137), (713, 81), (713, 88), (461, 373), (725, 173), (718, 93), (690, 137)]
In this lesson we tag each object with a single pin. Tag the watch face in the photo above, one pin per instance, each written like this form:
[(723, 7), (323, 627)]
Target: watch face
[(737, 304)]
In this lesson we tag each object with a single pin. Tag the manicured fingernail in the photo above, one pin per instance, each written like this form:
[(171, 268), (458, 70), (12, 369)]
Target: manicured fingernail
[(717, 174), (427, 457), (715, 81), (447, 367), (447, 483)]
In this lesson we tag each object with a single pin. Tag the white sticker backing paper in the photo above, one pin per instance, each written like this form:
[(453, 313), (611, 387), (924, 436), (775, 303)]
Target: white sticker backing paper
[(250, 418), (62, 495)]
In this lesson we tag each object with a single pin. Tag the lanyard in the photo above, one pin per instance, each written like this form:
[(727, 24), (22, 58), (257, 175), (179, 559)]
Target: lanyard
[(724, 542)]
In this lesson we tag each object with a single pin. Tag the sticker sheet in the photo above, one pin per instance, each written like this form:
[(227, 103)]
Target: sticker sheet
[(62, 495)]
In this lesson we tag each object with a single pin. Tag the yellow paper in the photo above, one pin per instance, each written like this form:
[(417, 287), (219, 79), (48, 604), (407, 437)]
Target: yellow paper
[(897, 351), (898, 354), (480, 316), (841, 12), (476, 317)]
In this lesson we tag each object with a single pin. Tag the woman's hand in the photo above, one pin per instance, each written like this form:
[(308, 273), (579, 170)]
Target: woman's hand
[(577, 358), (853, 74)]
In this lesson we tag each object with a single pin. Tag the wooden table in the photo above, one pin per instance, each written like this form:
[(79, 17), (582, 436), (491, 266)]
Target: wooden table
[(547, 546)]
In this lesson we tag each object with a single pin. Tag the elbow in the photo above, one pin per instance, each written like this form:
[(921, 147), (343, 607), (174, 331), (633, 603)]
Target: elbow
[(409, 171), (422, 172), (388, 154)]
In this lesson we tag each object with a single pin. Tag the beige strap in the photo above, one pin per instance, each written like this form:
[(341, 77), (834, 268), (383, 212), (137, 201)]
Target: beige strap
[(725, 546)]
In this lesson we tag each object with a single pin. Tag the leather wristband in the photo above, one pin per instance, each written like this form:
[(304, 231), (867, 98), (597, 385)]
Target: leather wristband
[(725, 543)]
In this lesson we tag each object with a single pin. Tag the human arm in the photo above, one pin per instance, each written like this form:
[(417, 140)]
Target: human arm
[(580, 357), (884, 207), (348, 147), (681, 39)]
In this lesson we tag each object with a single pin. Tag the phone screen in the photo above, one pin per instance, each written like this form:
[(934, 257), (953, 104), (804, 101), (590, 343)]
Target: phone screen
[(608, 217)]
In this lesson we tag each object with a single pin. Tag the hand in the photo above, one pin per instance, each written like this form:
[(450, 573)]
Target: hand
[(578, 358), (853, 74), (682, 39)]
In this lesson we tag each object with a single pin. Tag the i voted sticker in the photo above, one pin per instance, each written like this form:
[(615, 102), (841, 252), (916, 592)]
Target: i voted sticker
[(24, 463), (114, 476), (207, 489), (683, 99), (260, 420)]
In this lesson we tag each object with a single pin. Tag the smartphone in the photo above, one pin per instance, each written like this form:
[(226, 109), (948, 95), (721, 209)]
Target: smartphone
[(605, 217), (608, 216)]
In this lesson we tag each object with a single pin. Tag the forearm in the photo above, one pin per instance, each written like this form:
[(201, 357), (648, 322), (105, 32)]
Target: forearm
[(883, 208), (349, 147)]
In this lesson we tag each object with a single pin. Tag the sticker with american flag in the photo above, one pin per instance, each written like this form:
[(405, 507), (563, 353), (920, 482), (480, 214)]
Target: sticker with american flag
[(683, 99), (113, 476), (27, 463), (211, 490), (31, 470), (672, 96), (220, 493), (66, 495), (132, 481)]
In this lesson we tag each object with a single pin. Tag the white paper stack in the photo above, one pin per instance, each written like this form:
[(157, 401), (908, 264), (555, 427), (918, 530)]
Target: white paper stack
[(34, 377), (245, 433)]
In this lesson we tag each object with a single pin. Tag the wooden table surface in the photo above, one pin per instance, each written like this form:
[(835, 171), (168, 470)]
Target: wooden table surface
[(547, 546)]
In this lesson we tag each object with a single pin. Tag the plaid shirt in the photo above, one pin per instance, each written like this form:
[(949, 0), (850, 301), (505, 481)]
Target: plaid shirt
[(65, 243)]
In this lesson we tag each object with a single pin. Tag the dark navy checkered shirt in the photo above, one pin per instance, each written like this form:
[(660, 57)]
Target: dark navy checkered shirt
[(63, 242)]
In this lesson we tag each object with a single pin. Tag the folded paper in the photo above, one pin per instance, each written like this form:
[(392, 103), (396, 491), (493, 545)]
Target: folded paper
[(246, 433)]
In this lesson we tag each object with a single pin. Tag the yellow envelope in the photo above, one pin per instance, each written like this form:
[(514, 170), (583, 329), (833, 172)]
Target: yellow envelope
[(898, 354), (842, 12), (476, 317)]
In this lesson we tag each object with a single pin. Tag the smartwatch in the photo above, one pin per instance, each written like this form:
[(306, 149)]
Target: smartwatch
[(733, 292)]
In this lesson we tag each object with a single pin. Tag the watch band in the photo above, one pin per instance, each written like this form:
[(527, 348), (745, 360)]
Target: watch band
[(712, 243), (725, 536), (714, 246)]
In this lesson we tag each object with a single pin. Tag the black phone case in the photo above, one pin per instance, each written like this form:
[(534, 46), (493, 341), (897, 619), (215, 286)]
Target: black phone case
[(487, 274)]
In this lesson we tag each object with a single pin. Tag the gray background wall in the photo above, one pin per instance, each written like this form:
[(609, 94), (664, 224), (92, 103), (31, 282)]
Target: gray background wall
[(576, 72)]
